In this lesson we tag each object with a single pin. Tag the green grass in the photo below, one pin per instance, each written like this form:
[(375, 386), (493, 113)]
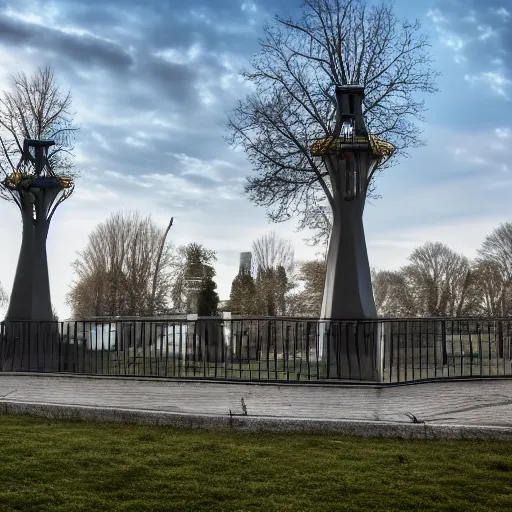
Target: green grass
[(70, 466)]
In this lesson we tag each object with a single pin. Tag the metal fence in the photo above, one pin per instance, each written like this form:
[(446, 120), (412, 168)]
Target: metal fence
[(263, 349)]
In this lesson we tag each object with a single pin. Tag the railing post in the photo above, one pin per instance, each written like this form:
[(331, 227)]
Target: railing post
[(443, 341)]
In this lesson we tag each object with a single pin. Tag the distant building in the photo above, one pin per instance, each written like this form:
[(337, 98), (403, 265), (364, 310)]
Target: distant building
[(245, 263)]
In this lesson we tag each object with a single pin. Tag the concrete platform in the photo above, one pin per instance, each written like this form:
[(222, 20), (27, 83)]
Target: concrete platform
[(449, 409)]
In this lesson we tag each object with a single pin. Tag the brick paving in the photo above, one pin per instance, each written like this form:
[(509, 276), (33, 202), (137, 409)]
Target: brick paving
[(482, 403)]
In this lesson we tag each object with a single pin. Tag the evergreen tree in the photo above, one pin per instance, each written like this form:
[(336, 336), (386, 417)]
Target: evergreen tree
[(242, 297), (208, 299), (195, 267), (199, 262), (265, 292), (281, 287)]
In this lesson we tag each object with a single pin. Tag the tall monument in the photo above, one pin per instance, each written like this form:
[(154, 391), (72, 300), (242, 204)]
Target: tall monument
[(349, 159), (245, 263), (37, 191)]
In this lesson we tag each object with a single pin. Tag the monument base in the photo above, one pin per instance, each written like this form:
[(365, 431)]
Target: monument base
[(352, 350), (30, 347)]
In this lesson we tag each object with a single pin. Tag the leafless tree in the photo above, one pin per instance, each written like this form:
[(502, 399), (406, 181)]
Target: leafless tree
[(36, 108), (393, 297), (125, 269), (493, 270), (273, 259), (437, 282), (335, 42), (493, 289), (270, 251), (497, 248), (440, 281), (158, 266)]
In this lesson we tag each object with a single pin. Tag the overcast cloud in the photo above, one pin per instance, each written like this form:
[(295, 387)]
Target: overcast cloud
[(152, 82)]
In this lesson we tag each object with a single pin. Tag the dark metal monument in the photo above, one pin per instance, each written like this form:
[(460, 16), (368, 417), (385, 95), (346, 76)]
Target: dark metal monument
[(349, 159), (37, 191)]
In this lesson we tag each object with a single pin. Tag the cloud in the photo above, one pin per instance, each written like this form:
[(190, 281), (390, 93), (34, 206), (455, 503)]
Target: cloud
[(392, 249), (483, 149), (501, 12), (479, 37), (503, 133), (84, 48), (454, 190), (151, 84), (495, 80)]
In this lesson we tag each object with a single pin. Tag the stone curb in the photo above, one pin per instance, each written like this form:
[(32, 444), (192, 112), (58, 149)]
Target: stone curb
[(256, 423)]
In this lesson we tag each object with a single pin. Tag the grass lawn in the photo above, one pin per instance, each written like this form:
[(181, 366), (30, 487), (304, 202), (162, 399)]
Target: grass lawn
[(71, 466)]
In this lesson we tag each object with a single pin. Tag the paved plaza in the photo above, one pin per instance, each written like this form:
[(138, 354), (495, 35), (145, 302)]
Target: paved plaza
[(475, 403)]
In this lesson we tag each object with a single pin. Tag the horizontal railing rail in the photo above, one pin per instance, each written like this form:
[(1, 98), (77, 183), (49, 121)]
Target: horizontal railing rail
[(386, 350)]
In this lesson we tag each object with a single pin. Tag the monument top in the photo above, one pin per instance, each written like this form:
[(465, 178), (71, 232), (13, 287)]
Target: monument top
[(36, 143), (354, 88)]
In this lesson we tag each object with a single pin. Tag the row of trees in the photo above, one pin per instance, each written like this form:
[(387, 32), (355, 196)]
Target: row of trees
[(436, 282), (263, 288), (439, 282), (130, 268)]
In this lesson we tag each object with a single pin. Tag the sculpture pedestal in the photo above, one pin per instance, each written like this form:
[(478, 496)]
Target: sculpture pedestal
[(352, 350), (30, 347)]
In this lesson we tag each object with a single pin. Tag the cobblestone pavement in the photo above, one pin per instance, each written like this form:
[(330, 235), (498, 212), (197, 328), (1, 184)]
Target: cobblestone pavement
[(484, 402)]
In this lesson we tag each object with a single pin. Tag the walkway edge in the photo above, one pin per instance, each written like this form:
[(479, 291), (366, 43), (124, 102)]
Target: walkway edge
[(255, 423), (271, 383)]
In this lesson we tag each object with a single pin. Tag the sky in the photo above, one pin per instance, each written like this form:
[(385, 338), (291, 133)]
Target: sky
[(152, 82)]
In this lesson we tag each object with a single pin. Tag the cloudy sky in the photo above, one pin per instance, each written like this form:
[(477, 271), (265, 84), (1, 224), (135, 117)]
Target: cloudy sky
[(152, 82)]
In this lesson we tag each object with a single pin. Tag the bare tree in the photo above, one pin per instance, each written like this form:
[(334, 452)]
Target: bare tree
[(437, 282), (271, 251), (273, 259), (311, 279), (36, 108), (493, 289), (440, 281), (125, 269), (497, 248), (335, 42), (393, 296), (158, 266), (493, 270)]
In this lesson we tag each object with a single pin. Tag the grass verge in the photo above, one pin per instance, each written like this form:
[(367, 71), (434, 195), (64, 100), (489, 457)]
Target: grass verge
[(72, 466)]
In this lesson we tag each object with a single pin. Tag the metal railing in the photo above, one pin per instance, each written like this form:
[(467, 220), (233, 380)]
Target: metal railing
[(263, 349)]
